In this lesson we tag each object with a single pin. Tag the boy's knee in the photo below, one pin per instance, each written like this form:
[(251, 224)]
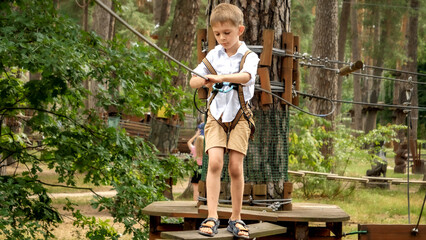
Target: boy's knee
[(215, 165), (235, 171)]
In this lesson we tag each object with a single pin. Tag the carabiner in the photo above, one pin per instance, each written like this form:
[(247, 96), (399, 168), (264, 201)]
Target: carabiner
[(218, 87)]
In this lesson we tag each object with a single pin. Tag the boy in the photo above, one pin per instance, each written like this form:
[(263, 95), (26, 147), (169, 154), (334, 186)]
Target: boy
[(226, 21)]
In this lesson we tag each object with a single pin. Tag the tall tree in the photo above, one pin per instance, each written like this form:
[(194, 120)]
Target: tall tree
[(182, 34), (401, 88), (356, 54), (324, 82), (161, 11), (103, 25), (343, 28)]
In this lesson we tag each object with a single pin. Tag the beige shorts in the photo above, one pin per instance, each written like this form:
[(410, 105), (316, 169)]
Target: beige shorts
[(215, 136)]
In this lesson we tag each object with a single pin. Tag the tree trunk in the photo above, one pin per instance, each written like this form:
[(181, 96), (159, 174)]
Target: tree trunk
[(182, 35), (85, 17), (103, 22), (356, 54), (381, 36), (324, 82), (324, 46), (161, 11), (344, 20), (103, 25)]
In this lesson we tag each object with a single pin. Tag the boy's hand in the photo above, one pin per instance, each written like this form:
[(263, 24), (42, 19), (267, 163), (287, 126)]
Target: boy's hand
[(214, 78)]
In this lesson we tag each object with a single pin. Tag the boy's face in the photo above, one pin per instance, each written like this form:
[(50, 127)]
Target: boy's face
[(227, 35)]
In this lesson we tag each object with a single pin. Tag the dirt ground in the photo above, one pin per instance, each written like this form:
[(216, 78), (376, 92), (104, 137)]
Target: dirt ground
[(66, 230)]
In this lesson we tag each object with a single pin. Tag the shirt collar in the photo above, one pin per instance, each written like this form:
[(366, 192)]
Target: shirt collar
[(241, 50)]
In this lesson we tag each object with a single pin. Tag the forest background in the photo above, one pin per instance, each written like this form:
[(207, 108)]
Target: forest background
[(64, 62)]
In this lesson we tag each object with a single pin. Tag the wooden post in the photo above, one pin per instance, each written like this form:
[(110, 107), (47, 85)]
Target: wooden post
[(210, 39), (201, 192), (247, 191), (201, 40), (265, 83), (264, 65), (296, 75), (288, 189), (268, 43), (287, 67), (259, 192)]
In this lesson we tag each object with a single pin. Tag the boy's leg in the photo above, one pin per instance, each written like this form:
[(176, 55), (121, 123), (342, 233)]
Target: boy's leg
[(213, 183), (236, 173)]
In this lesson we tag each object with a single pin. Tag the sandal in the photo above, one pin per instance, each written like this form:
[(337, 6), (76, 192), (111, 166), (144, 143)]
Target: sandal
[(213, 228), (232, 227)]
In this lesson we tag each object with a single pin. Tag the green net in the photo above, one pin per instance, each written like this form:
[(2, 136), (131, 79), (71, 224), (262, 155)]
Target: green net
[(267, 156)]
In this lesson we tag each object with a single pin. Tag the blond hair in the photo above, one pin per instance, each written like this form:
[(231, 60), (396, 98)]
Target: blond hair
[(199, 146), (225, 12)]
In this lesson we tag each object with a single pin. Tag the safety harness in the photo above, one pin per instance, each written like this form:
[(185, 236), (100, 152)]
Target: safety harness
[(244, 111)]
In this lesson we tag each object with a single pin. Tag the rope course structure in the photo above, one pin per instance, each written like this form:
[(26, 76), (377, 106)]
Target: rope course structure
[(274, 134)]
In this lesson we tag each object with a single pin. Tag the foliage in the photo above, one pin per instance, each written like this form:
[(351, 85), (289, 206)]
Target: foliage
[(308, 134), (73, 138)]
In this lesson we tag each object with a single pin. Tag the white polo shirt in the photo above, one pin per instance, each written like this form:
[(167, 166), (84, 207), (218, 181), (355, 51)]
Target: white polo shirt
[(227, 104)]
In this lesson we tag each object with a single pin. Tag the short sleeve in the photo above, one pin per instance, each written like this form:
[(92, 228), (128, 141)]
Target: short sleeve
[(250, 66)]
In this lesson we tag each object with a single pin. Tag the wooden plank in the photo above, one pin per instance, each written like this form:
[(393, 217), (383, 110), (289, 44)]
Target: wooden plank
[(287, 67), (268, 44), (173, 209), (381, 179), (313, 212), (256, 230), (265, 83), (296, 173), (336, 177), (210, 39), (402, 181), (201, 40), (301, 212), (296, 75), (391, 232), (318, 173)]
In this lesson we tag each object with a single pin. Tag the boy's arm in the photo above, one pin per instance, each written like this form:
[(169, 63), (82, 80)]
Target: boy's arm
[(197, 82), (240, 78)]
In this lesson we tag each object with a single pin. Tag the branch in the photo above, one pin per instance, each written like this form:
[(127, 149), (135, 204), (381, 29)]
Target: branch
[(65, 186), (53, 113)]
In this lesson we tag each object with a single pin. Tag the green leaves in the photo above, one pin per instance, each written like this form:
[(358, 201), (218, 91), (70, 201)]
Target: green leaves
[(64, 134)]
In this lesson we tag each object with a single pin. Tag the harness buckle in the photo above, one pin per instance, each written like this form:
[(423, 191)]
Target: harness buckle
[(219, 87)]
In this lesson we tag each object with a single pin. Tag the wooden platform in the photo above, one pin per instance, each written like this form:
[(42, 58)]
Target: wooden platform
[(295, 221), (256, 230)]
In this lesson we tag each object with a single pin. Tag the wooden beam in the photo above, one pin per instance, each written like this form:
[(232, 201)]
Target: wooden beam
[(256, 230), (268, 44), (201, 40), (287, 67), (296, 75), (391, 232), (210, 39), (265, 83)]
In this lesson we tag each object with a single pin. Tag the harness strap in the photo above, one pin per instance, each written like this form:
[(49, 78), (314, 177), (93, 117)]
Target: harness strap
[(248, 115)]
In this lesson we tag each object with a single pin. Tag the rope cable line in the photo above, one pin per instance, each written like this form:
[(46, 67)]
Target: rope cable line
[(106, 8), (256, 49)]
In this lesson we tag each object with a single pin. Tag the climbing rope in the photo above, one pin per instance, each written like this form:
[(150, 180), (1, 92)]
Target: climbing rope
[(273, 204)]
